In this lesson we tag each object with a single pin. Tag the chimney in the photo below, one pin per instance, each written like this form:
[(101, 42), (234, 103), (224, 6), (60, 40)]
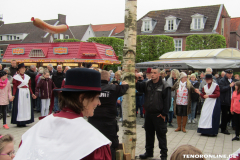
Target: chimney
[(1, 23), (62, 18), (1, 20)]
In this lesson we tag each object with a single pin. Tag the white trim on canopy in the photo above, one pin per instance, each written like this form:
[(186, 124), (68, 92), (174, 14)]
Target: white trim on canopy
[(197, 59)]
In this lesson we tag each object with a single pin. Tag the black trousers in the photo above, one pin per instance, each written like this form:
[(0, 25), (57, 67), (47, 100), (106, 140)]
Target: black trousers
[(237, 123), (4, 112), (226, 117), (109, 128), (155, 124)]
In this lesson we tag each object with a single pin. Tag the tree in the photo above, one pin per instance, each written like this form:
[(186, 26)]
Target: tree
[(129, 53)]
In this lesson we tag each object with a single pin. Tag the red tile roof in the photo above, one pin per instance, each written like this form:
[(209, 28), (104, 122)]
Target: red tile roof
[(235, 23), (76, 52), (118, 27)]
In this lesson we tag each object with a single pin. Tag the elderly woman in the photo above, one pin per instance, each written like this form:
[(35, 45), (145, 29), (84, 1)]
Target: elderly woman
[(117, 78), (174, 76), (195, 99), (182, 101), (210, 115), (67, 135)]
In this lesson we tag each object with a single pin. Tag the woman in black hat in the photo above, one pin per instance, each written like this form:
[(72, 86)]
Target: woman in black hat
[(210, 114), (22, 112), (66, 135)]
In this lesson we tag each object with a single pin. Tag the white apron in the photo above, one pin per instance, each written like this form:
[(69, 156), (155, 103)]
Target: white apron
[(56, 138), (205, 120), (24, 101)]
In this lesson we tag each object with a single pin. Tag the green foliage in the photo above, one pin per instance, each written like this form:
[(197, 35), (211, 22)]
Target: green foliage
[(210, 41), (66, 40), (117, 45), (150, 48)]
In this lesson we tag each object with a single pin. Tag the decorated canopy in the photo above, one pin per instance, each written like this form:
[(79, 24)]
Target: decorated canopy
[(68, 52), (198, 59)]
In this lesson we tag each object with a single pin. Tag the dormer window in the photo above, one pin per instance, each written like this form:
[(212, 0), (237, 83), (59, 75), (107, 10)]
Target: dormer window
[(172, 23), (148, 24), (198, 22)]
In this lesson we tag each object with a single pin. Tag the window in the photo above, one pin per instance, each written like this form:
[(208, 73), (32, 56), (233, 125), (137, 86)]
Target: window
[(61, 36), (10, 37), (237, 45), (7, 37), (198, 22), (55, 36), (147, 26), (0, 38), (170, 25), (15, 37), (1, 52), (66, 36), (178, 44)]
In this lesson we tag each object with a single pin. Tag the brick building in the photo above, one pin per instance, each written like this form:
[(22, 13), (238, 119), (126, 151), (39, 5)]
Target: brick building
[(235, 33)]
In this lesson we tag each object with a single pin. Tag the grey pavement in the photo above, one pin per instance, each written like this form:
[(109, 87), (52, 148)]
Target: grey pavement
[(222, 144)]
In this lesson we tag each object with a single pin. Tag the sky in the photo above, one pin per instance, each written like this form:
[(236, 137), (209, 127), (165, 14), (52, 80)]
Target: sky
[(82, 12)]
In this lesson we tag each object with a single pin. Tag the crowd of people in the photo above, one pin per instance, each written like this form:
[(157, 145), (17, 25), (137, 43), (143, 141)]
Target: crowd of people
[(97, 95)]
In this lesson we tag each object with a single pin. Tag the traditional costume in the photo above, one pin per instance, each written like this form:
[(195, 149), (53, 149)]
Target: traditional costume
[(210, 114), (67, 135), (22, 112)]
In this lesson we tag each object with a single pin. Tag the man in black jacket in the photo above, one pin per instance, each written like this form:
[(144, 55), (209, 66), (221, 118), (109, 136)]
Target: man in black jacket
[(57, 79), (157, 100), (31, 72), (104, 118), (13, 68), (226, 85)]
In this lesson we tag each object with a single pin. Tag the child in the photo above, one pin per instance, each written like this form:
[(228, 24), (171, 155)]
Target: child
[(45, 87), (6, 147), (5, 95), (235, 109)]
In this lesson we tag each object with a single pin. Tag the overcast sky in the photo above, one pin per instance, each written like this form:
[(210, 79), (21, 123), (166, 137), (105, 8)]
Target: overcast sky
[(81, 12)]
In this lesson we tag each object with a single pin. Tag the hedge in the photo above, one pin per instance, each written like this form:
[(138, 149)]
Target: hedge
[(150, 48), (199, 42)]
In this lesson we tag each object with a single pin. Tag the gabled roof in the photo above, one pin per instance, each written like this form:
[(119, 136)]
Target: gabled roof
[(235, 24), (102, 33), (79, 31), (184, 14), (116, 27), (34, 34)]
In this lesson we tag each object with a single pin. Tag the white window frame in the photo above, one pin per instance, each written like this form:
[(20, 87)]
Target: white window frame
[(177, 47), (198, 22), (172, 23), (61, 36), (1, 38), (55, 36), (147, 22), (1, 52)]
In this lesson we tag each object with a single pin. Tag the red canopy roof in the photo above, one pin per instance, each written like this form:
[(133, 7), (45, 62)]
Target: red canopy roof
[(61, 52)]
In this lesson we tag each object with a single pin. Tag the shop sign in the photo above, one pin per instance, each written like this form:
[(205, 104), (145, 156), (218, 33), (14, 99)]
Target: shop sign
[(109, 52), (17, 51), (60, 50)]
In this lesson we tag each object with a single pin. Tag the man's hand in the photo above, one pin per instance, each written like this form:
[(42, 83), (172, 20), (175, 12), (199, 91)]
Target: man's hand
[(118, 101), (232, 84), (205, 96), (123, 82), (163, 117), (197, 91), (136, 78)]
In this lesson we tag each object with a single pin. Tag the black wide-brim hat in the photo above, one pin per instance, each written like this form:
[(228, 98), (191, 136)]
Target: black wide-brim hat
[(81, 80), (20, 66)]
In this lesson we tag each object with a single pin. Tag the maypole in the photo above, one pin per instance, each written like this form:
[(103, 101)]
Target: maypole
[(129, 101)]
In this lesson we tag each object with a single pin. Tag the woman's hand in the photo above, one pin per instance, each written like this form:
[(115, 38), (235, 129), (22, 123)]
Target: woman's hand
[(33, 96), (197, 91), (205, 96)]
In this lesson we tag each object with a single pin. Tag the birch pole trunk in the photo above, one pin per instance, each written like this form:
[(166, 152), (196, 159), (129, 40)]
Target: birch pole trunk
[(129, 101)]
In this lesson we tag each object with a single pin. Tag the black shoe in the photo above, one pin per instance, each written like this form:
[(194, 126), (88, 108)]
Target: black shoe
[(170, 124), (145, 155), (143, 126), (174, 116), (235, 139), (142, 116), (163, 158), (226, 132)]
